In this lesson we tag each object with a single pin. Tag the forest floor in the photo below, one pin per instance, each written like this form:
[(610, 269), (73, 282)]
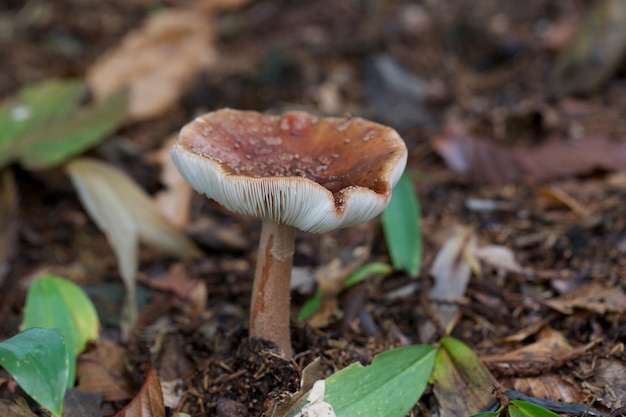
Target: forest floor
[(513, 114)]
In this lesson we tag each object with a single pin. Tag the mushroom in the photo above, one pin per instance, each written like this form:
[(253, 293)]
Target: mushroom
[(294, 171)]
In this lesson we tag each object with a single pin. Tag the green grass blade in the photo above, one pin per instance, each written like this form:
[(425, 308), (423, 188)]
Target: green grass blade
[(401, 226)]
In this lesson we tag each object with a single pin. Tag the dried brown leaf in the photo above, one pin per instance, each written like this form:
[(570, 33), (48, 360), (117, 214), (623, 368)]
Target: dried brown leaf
[(157, 61), (593, 297), (550, 387), (175, 280), (15, 409), (550, 346), (175, 199), (483, 161), (608, 383), (149, 400), (102, 370)]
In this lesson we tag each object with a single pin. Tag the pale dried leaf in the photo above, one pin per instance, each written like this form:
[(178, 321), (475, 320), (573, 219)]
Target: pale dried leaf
[(451, 271), (550, 346), (551, 387), (126, 214), (316, 406), (157, 61), (498, 257), (593, 297), (174, 201)]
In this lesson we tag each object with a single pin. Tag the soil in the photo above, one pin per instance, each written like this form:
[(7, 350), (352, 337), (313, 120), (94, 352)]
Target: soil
[(484, 66)]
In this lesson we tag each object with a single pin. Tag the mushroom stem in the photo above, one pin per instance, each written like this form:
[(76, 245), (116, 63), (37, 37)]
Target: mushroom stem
[(271, 292)]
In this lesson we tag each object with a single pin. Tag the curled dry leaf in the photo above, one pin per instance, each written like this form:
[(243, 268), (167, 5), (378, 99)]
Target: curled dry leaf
[(157, 61), (102, 370), (483, 161), (174, 201), (551, 345), (126, 214), (593, 297), (499, 257), (451, 272), (149, 400)]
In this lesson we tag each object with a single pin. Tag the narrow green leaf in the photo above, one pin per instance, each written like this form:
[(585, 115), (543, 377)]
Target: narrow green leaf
[(311, 306), (34, 106), (461, 382), (519, 408), (389, 387), (53, 144), (401, 226), (56, 303), (374, 268), (314, 303), (38, 360)]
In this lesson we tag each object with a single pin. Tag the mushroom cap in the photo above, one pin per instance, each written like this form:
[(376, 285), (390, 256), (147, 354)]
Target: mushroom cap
[(314, 173)]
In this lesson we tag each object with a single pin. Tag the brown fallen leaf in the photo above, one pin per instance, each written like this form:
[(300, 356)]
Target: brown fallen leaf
[(19, 408), (157, 61), (102, 371), (175, 280), (483, 161), (174, 201), (551, 387), (149, 400), (608, 383), (550, 346), (592, 297)]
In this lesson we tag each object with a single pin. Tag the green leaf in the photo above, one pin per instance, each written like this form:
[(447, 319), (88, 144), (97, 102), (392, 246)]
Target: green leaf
[(461, 382), (381, 388), (46, 124), (311, 305), (38, 360), (35, 105), (52, 145), (56, 303), (519, 408), (314, 303), (401, 226)]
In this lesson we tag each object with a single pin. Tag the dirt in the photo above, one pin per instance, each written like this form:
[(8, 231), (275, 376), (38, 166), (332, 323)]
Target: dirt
[(276, 55)]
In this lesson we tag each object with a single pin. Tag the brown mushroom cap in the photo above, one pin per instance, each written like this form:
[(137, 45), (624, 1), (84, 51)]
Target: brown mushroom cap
[(316, 174)]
